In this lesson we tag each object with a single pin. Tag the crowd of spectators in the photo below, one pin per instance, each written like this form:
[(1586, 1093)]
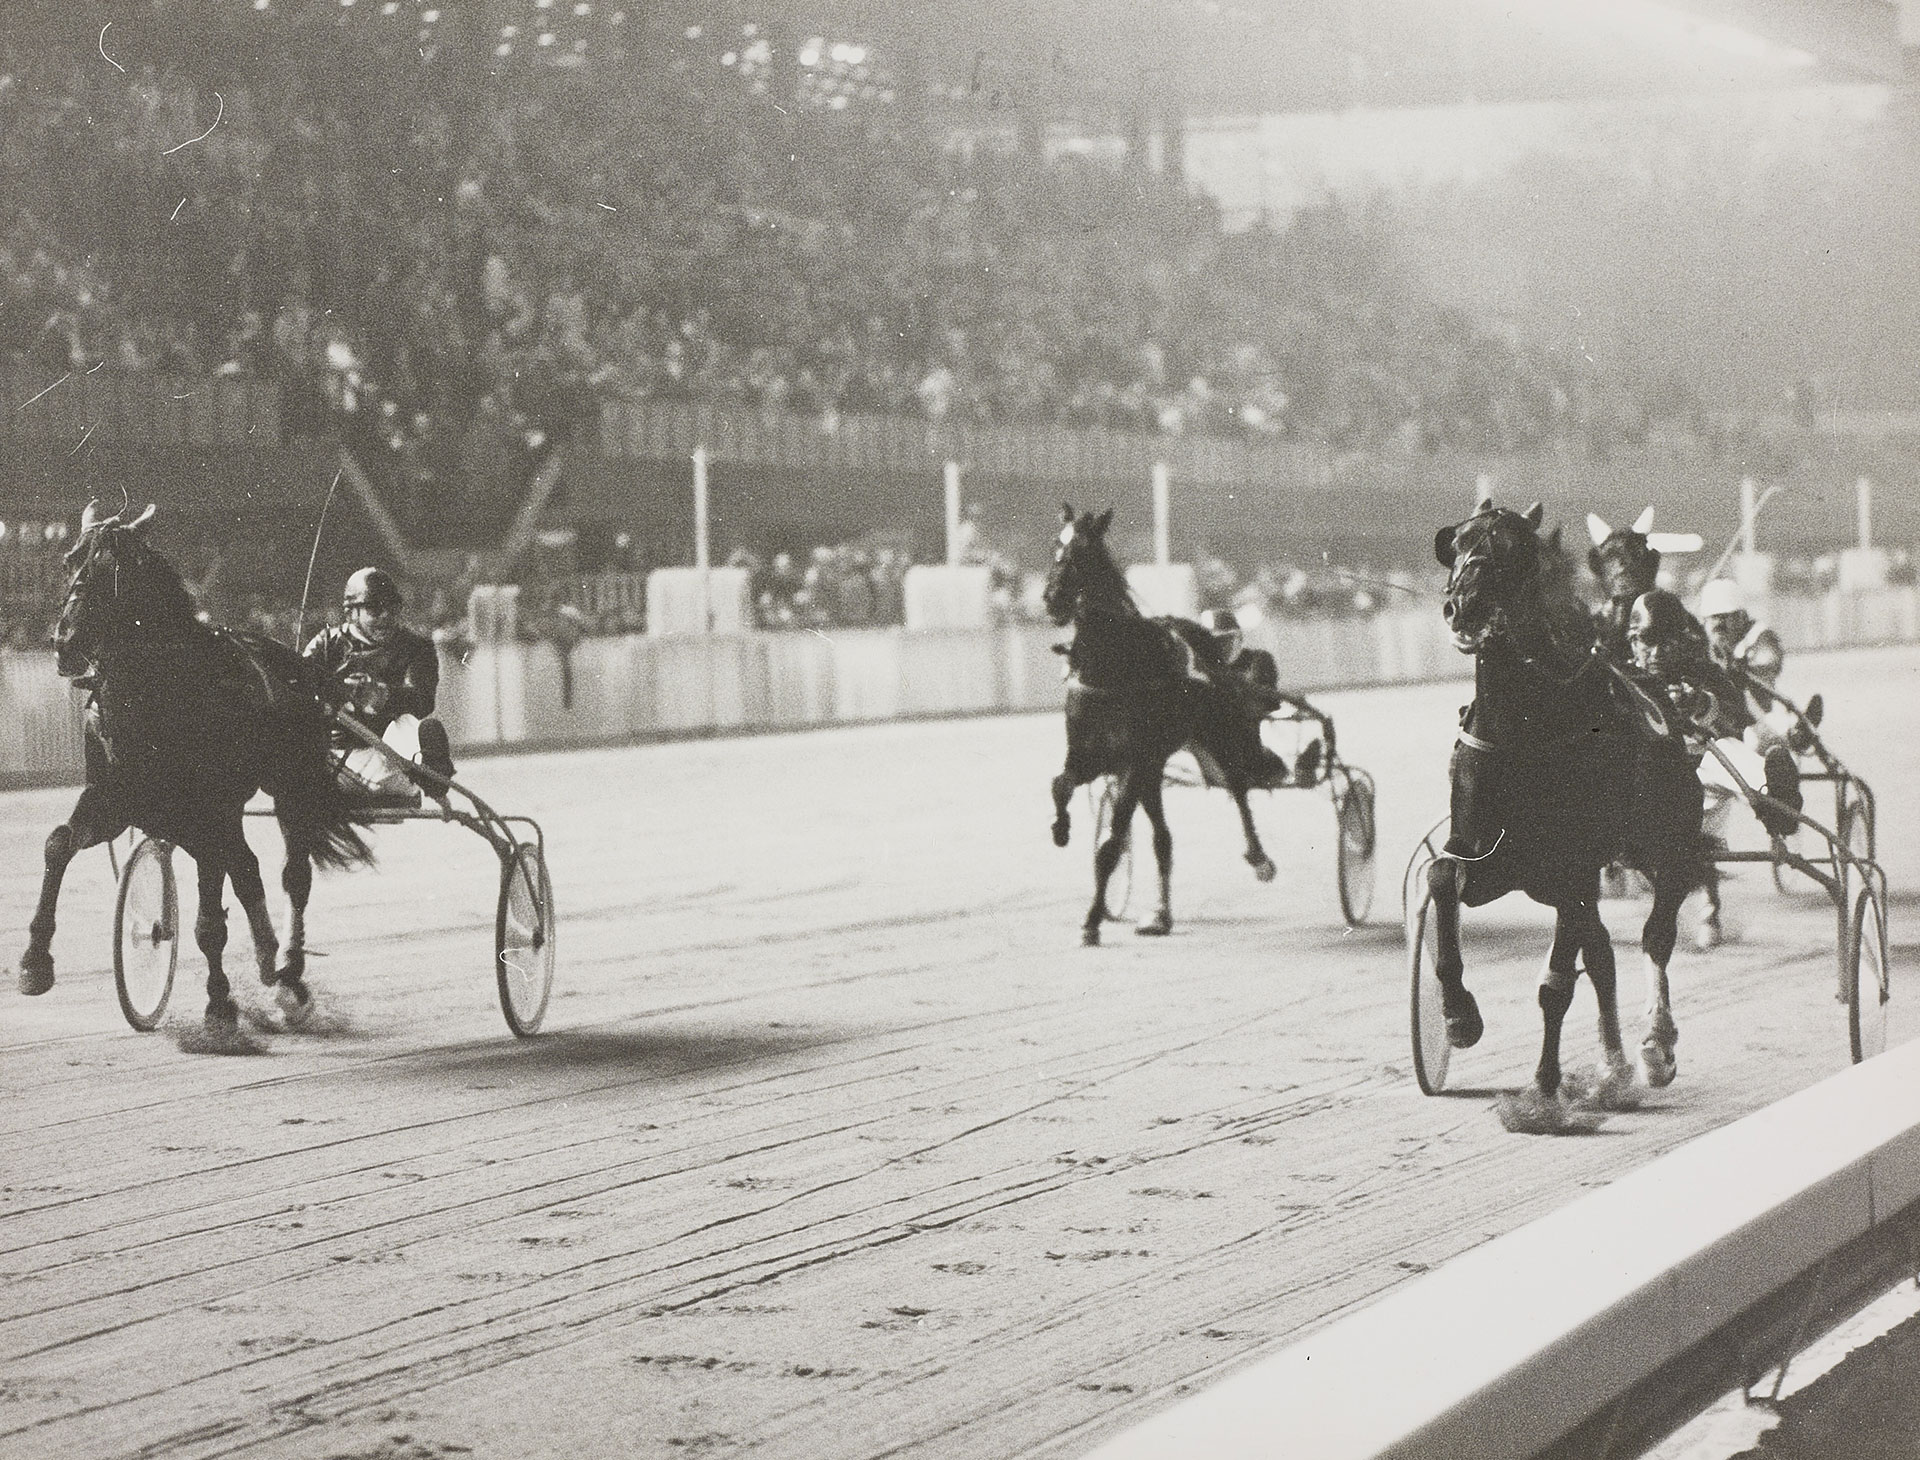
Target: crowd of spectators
[(458, 276)]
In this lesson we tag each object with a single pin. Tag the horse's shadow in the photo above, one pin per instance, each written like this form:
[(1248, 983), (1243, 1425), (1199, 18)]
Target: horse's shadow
[(645, 1053)]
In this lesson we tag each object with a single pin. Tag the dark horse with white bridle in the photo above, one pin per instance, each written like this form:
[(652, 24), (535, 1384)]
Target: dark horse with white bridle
[(1138, 690), (187, 722), (1562, 766)]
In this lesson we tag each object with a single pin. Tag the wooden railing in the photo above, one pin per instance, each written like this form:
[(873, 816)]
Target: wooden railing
[(148, 409)]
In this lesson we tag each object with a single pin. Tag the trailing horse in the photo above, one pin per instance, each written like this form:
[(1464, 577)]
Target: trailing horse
[(1561, 767), (186, 723), (1138, 689)]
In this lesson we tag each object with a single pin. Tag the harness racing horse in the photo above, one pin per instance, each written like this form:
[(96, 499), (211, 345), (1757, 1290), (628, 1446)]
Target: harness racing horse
[(1562, 765), (1138, 689), (187, 722)]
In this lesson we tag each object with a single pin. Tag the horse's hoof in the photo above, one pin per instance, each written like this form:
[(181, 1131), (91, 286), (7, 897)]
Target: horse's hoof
[(295, 1000), (1157, 926), (36, 973), (223, 1016), (1090, 936), (1060, 830), (1657, 1065), (293, 967), (1263, 868), (1465, 1028)]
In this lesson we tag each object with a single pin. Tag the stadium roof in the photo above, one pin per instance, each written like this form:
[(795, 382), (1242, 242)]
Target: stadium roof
[(1250, 57)]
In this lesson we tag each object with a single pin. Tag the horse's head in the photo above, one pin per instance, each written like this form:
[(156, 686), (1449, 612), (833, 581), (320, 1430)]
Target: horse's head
[(1494, 560), (1621, 557), (1083, 570), (110, 562)]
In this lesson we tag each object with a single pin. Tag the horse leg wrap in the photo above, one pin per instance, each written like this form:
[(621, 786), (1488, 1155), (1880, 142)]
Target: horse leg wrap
[(210, 932), (1555, 997)]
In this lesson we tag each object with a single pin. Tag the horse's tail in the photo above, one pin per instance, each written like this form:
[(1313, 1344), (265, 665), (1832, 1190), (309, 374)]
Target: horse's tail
[(314, 809)]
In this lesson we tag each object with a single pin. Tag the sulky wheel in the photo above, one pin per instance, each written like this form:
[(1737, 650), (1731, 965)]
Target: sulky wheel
[(524, 939), (1431, 1050), (1853, 844), (1120, 885), (1868, 977), (1353, 853), (146, 933)]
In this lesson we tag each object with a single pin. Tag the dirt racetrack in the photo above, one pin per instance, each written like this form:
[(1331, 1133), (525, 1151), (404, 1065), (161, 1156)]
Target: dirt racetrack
[(837, 1144)]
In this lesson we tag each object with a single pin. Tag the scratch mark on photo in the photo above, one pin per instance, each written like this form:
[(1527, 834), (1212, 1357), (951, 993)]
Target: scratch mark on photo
[(25, 403), (103, 49), (219, 113)]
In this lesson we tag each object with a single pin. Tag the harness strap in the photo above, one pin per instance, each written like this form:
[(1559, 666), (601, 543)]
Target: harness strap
[(1474, 742), (1651, 709)]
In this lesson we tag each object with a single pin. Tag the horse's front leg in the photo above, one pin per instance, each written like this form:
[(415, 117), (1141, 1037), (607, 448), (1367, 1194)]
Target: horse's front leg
[(1464, 1024), (1161, 923), (1257, 857), (1107, 855), (1657, 937), (91, 822), (210, 932)]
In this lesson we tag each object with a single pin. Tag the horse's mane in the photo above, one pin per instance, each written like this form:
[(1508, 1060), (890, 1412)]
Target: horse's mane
[(1104, 579), (163, 592)]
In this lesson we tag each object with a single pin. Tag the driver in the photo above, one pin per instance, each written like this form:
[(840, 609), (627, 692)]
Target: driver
[(387, 677), (1669, 646), (1254, 681), (1741, 643)]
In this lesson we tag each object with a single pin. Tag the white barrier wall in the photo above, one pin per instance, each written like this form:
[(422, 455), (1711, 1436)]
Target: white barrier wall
[(947, 596), (634, 687), (698, 601)]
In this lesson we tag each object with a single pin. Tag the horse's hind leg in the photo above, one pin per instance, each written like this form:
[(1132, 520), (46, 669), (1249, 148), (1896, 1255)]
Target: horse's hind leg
[(1257, 857), (1063, 786), (210, 932), (296, 880), (243, 867), (1597, 956), (1657, 937), (1464, 1024), (91, 822), (1107, 856), (1709, 934), (1556, 995), (1161, 923)]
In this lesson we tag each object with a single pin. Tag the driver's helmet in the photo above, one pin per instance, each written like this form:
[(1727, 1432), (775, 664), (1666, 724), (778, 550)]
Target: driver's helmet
[(1225, 629), (1661, 634), (1721, 596), (373, 589)]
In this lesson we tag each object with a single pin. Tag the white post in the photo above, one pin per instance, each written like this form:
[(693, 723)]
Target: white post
[(1482, 490), (952, 475), (702, 550), (1162, 515), (1863, 510), (1747, 513)]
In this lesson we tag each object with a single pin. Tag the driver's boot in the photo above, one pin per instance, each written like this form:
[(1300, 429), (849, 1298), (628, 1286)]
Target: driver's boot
[(436, 754)]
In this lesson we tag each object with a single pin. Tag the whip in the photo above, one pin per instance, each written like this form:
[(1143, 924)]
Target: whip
[(300, 619)]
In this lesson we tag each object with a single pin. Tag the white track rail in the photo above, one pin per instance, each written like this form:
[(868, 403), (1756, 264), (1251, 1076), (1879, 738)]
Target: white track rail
[(1717, 1259)]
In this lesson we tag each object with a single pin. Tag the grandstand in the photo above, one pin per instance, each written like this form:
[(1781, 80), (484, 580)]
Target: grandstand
[(519, 257)]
